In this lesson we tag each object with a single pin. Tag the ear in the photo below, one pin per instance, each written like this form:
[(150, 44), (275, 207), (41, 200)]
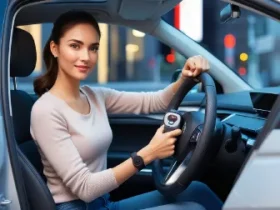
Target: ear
[(54, 49)]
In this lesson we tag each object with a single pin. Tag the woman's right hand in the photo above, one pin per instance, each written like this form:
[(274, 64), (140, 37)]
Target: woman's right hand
[(161, 146)]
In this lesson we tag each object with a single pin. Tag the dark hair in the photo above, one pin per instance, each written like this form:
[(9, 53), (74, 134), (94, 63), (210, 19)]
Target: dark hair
[(61, 25)]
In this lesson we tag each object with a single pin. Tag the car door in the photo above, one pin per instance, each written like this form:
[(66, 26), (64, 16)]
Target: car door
[(5, 196), (12, 192), (258, 179), (8, 192)]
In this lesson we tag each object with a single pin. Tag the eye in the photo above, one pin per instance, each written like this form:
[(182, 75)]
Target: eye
[(74, 46), (94, 48)]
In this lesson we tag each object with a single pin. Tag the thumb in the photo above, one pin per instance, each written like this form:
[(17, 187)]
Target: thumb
[(187, 73)]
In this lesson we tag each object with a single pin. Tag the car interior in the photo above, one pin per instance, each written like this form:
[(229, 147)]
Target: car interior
[(240, 118)]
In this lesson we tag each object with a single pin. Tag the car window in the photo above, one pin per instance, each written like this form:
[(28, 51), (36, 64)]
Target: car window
[(128, 59)]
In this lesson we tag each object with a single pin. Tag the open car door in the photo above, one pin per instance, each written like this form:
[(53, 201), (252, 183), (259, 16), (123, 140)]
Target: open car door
[(258, 185), (12, 189)]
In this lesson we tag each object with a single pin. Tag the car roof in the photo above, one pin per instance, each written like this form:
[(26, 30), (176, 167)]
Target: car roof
[(121, 12)]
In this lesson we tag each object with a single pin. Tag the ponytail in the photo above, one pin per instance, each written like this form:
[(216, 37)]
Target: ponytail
[(45, 82)]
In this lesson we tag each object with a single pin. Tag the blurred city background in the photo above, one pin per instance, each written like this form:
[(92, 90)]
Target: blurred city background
[(132, 60)]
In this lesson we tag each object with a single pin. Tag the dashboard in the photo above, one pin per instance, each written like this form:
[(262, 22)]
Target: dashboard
[(246, 110), (247, 123), (262, 104)]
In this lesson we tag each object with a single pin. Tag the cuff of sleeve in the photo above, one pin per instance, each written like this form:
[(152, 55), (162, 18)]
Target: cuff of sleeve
[(116, 184)]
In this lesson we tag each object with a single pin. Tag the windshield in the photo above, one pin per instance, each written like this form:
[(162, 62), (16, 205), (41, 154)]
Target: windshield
[(248, 45)]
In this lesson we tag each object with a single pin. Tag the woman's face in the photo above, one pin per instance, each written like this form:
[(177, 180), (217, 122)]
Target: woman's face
[(77, 51)]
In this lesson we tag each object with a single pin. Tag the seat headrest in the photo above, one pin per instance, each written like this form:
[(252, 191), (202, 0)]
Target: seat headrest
[(23, 54)]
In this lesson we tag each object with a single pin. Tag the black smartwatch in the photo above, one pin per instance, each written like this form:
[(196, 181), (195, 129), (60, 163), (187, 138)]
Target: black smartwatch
[(137, 161)]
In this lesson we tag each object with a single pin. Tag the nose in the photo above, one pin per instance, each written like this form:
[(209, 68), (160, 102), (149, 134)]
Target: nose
[(84, 55)]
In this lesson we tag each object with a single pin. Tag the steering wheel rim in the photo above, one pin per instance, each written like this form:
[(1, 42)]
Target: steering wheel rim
[(188, 171)]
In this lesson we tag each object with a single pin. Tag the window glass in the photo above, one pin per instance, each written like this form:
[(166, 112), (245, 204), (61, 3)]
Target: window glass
[(128, 59)]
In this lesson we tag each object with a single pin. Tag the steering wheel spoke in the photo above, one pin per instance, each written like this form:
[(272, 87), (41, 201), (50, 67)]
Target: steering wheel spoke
[(177, 169), (173, 168)]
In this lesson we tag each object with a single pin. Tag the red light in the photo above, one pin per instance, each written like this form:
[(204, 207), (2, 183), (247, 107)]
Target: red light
[(242, 71), (229, 41), (170, 58), (177, 16)]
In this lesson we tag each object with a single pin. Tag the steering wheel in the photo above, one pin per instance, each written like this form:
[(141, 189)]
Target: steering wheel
[(193, 149)]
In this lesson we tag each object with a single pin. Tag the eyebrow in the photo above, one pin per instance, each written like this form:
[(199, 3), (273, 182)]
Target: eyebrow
[(80, 42)]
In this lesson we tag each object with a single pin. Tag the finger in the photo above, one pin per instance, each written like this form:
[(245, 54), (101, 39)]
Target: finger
[(175, 132), (169, 148), (172, 141), (161, 129), (171, 134), (198, 64), (190, 64), (168, 153), (171, 153), (197, 71), (205, 66), (187, 73)]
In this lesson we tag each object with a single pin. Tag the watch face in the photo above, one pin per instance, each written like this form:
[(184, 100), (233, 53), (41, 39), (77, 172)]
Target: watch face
[(138, 161)]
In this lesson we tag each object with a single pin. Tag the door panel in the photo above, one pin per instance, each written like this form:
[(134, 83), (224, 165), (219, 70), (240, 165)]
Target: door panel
[(131, 133), (8, 192)]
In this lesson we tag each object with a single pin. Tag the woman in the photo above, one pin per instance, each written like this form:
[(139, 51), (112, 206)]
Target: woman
[(70, 126)]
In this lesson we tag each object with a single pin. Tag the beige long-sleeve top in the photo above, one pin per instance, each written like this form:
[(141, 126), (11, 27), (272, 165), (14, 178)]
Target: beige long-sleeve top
[(74, 146)]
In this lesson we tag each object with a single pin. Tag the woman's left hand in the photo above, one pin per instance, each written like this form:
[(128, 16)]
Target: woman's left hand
[(194, 66)]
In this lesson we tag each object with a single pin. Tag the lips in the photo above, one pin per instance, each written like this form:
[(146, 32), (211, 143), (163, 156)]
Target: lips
[(82, 68)]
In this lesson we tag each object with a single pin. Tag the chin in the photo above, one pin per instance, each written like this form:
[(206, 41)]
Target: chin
[(80, 76)]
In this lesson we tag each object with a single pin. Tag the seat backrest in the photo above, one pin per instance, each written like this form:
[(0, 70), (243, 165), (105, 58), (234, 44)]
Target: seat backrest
[(23, 60), (22, 104)]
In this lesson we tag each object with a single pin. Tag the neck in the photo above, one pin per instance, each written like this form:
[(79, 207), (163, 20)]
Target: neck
[(66, 86)]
